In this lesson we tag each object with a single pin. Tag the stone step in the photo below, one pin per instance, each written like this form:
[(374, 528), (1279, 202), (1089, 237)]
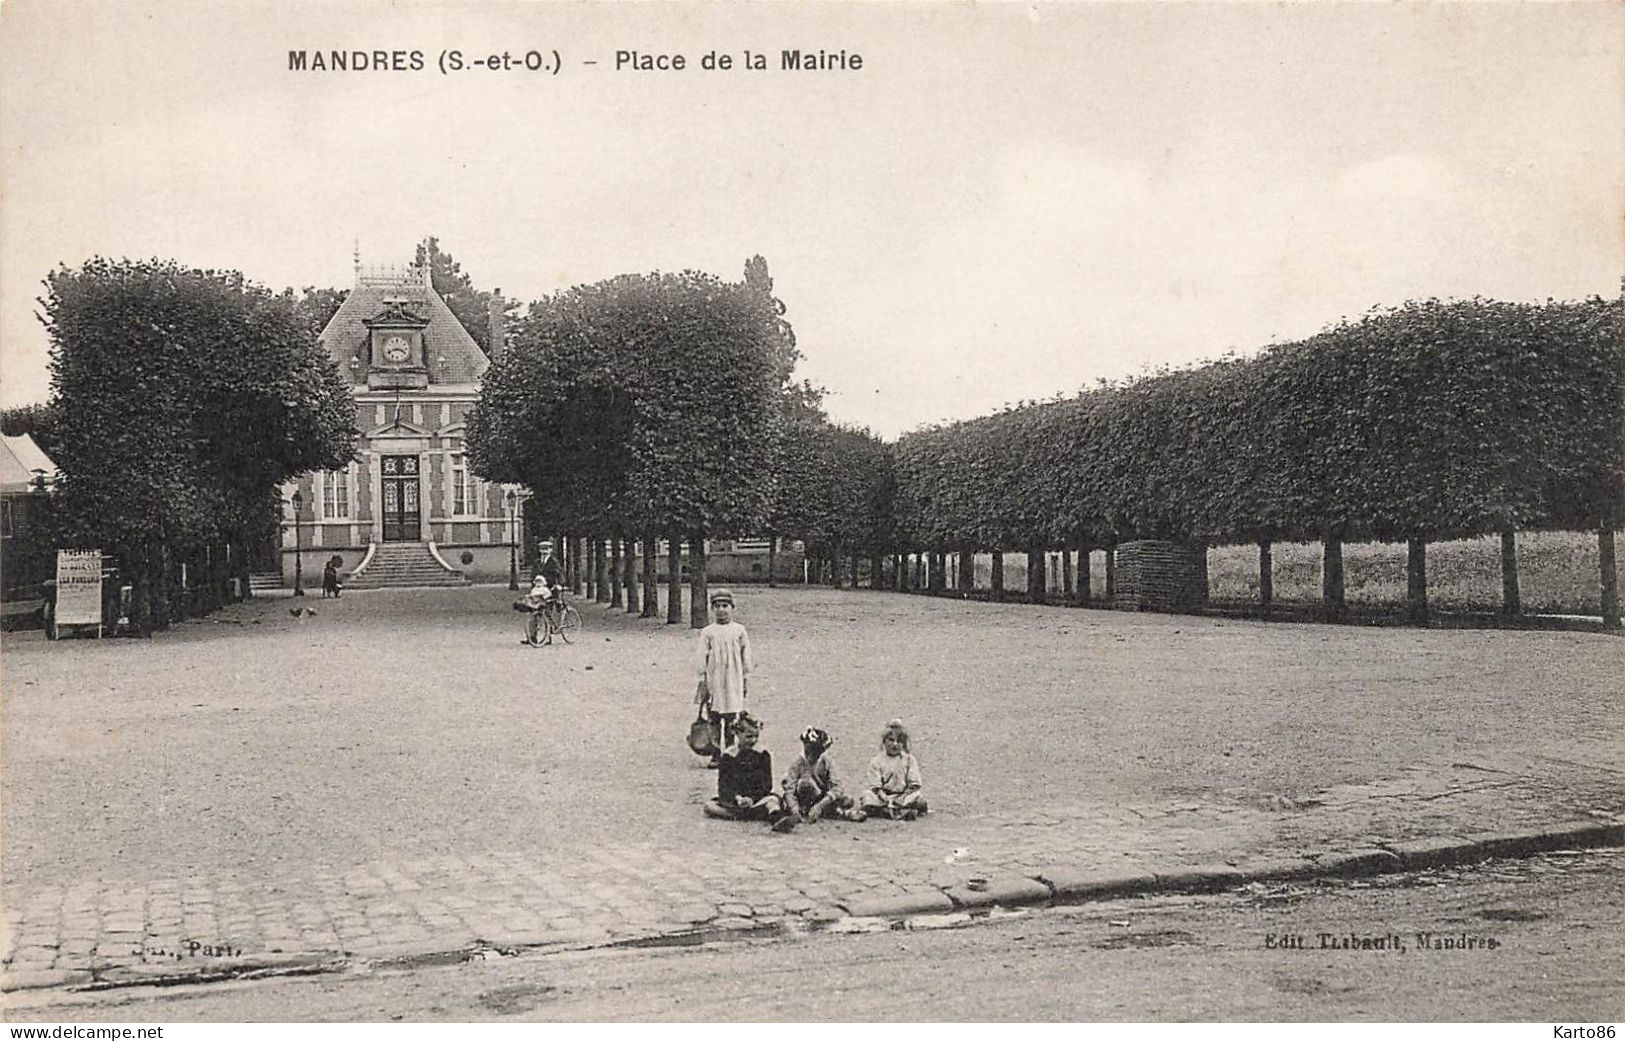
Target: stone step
[(404, 564)]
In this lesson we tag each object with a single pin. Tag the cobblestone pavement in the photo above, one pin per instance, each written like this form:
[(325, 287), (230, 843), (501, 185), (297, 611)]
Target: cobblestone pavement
[(719, 875)]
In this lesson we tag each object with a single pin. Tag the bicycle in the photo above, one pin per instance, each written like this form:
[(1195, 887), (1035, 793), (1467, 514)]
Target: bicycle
[(554, 618)]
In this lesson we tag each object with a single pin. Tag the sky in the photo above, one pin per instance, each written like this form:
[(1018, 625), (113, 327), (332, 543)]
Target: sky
[(1005, 202)]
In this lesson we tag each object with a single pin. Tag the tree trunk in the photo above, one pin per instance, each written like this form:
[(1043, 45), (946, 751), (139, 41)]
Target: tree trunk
[(877, 570), (1068, 590), (1266, 573), (141, 591), (1606, 568), (629, 574), (1416, 580), (1201, 572), (902, 572), (578, 550), (1511, 603), (699, 612), (162, 586), (651, 584), (835, 566), (674, 578), (1035, 575), (1111, 573), (772, 560), (998, 575), (1085, 579), (967, 569), (1331, 574), (617, 576), (240, 566), (854, 569)]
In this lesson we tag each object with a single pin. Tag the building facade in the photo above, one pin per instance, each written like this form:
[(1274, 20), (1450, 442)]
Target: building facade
[(408, 509)]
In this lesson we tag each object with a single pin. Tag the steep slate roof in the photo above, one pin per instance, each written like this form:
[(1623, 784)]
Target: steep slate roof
[(451, 354)]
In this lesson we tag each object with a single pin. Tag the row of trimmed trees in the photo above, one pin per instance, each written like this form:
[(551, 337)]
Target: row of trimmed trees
[(643, 407), (181, 400), (1431, 421), (663, 405)]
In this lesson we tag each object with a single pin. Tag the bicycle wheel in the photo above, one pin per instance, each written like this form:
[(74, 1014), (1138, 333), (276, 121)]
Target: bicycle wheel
[(536, 628), (569, 624)]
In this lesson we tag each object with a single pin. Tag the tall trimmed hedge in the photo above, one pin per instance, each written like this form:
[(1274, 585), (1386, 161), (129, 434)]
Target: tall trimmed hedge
[(1432, 420)]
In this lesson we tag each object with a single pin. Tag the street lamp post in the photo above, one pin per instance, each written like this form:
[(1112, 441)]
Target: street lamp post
[(513, 541), (298, 546)]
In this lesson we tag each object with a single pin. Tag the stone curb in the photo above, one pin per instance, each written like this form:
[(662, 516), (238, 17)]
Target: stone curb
[(1001, 890), (1354, 863), (41, 979), (901, 906), (1070, 885), (1067, 885), (1052, 885)]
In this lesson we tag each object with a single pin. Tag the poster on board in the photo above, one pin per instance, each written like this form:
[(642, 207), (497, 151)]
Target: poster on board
[(79, 587)]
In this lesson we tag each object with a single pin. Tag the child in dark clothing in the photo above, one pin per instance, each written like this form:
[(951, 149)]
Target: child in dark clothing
[(745, 778), (331, 586)]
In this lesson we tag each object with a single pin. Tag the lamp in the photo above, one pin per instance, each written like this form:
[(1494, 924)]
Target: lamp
[(513, 541), (298, 546)]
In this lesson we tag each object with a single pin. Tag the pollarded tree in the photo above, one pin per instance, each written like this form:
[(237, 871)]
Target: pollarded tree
[(643, 403), (186, 397)]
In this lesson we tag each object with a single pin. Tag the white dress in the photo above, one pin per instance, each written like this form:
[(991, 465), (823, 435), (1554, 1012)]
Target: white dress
[(724, 663)]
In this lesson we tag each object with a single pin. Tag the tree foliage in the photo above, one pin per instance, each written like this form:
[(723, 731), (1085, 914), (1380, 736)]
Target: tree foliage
[(1432, 420), (836, 489), (39, 421), (185, 398), (315, 307), (472, 306), (646, 402)]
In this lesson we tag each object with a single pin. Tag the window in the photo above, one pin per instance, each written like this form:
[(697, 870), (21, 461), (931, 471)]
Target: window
[(336, 494), (465, 487)]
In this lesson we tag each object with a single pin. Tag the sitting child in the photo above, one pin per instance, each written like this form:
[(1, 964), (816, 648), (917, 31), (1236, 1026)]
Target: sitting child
[(745, 778), (810, 789), (541, 592), (894, 778)]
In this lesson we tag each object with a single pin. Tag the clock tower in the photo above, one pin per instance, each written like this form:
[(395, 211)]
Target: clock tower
[(395, 341)]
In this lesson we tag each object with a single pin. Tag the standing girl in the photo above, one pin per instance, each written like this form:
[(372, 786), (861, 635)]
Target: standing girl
[(724, 665)]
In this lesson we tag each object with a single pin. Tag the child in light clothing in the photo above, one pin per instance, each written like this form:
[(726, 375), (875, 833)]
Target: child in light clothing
[(894, 778), (724, 665), (811, 789)]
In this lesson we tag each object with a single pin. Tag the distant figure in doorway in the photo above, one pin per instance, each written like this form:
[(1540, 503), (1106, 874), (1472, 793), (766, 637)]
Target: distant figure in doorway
[(331, 586), (893, 788), (724, 667)]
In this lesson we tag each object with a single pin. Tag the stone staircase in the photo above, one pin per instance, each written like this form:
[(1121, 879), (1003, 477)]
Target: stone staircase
[(395, 564)]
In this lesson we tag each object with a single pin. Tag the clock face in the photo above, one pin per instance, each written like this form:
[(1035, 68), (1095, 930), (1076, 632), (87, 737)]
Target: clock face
[(396, 349)]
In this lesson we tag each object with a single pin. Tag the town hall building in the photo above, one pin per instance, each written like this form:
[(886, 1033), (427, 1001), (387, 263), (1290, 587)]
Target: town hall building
[(408, 510)]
